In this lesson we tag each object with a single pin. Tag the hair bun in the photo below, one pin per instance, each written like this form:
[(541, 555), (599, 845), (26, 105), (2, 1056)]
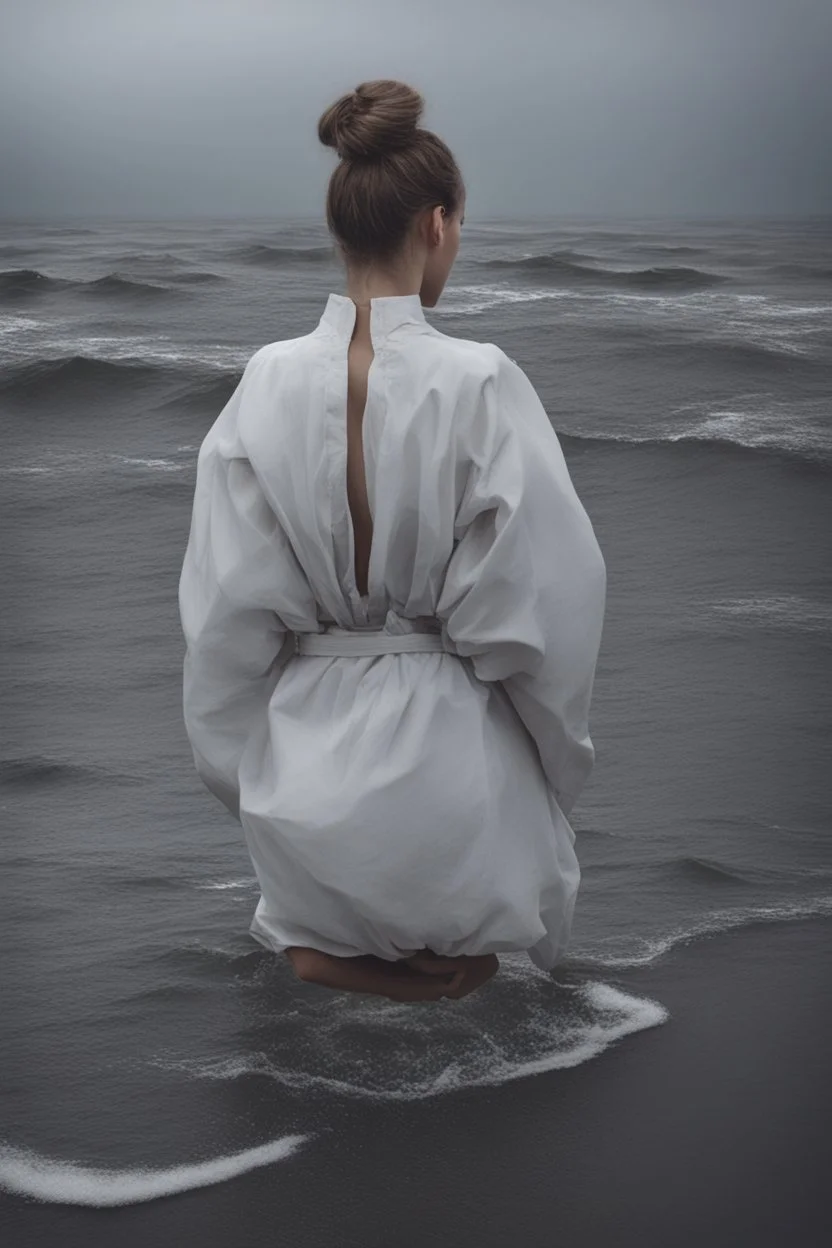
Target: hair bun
[(378, 117)]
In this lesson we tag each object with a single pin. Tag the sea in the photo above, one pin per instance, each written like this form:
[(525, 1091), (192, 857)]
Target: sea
[(148, 1045)]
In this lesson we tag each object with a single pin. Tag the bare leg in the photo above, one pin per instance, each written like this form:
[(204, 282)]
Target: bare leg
[(366, 973), (424, 977)]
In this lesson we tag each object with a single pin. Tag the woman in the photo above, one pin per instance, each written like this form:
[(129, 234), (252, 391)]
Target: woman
[(392, 600)]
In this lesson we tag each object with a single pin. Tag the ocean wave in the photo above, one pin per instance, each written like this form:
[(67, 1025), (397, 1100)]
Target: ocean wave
[(211, 960), (197, 277), (562, 266), (796, 430), (156, 260), (676, 249), (791, 611), (806, 454), (61, 231), (707, 870), (37, 770), (155, 465), (267, 254), (522, 1023), (117, 284), (19, 324), (193, 360), (471, 300), (121, 371), (158, 348), (25, 1172), (249, 881), (733, 432), (45, 378), (699, 869), (15, 283), (688, 326), (689, 866), (159, 266), (131, 469), (747, 348), (564, 256), (164, 374), (589, 235), (647, 950)]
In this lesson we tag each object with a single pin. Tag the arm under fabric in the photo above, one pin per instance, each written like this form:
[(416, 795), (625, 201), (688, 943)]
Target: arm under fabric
[(228, 589), (525, 589)]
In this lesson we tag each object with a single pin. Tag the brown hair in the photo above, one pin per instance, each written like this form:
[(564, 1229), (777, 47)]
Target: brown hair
[(390, 169)]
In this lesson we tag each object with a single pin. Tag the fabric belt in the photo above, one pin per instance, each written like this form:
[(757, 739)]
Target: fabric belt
[(367, 641)]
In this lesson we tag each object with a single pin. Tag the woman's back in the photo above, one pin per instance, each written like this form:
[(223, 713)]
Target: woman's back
[(404, 780), (380, 435), (395, 801)]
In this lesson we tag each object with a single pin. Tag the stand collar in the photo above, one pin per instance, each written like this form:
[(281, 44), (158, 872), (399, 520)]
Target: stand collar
[(387, 313)]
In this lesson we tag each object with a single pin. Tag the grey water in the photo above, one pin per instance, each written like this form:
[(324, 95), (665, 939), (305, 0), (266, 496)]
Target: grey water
[(687, 368)]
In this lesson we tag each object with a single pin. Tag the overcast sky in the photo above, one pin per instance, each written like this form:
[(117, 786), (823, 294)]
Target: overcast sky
[(159, 108)]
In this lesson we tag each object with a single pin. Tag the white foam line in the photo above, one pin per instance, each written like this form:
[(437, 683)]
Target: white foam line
[(25, 1172), (471, 300), (18, 324), (618, 1014), (93, 461), (144, 349), (713, 924), (163, 465), (789, 609), (248, 882), (635, 1014)]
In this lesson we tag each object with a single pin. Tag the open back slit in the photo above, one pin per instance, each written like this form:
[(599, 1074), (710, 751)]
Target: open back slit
[(360, 522)]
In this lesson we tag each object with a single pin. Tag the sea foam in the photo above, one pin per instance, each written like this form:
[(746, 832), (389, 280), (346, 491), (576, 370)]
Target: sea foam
[(522, 1023), (28, 1173)]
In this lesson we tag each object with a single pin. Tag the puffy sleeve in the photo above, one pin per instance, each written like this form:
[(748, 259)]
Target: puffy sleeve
[(525, 589), (228, 587)]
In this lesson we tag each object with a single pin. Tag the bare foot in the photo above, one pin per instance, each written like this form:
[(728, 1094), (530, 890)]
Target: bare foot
[(471, 971)]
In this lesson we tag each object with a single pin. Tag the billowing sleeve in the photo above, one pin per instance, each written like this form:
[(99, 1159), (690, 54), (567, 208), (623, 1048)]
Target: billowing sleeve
[(228, 585), (525, 590)]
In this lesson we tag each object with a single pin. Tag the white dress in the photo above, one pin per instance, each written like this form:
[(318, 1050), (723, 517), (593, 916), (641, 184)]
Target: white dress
[(394, 801)]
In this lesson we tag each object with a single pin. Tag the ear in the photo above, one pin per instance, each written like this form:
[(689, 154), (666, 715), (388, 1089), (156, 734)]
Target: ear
[(439, 223)]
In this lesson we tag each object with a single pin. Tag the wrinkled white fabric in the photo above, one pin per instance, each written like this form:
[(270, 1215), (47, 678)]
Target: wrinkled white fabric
[(397, 801)]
